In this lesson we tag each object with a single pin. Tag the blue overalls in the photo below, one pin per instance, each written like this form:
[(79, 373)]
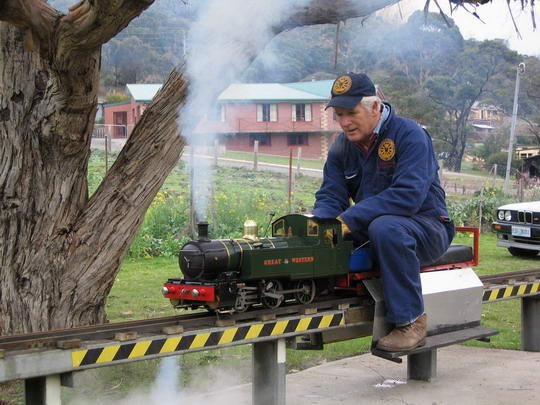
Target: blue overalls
[(399, 205)]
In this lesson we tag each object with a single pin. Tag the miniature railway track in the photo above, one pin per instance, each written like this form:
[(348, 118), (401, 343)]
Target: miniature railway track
[(200, 320), (155, 326), (510, 278)]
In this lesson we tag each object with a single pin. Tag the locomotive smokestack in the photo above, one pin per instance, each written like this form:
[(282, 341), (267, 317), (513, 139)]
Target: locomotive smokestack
[(202, 229)]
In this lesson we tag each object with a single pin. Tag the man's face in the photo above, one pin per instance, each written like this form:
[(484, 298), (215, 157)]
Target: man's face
[(358, 124)]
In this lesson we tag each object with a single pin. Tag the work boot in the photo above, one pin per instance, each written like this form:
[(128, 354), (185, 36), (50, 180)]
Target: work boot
[(405, 338)]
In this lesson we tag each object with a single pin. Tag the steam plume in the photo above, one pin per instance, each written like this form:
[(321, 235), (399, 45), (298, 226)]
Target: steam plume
[(222, 43)]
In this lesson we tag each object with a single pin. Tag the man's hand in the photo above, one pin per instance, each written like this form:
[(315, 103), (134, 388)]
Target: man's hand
[(345, 230)]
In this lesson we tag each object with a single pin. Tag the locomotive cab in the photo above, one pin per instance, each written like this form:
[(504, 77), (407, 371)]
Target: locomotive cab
[(327, 230)]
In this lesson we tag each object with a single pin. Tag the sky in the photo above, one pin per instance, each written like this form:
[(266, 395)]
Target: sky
[(497, 22)]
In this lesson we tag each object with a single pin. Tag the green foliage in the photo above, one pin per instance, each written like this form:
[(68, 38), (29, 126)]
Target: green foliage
[(111, 98), (500, 159), (159, 235), (166, 224), (474, 74), (466, 212), (493, 143)]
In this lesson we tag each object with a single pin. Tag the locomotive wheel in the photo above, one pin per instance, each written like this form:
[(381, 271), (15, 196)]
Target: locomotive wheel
[(241, 304), (307, 295), (272, 286)]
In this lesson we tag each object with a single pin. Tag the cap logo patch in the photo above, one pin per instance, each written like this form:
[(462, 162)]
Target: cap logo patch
[(342, 85), (387, 149)]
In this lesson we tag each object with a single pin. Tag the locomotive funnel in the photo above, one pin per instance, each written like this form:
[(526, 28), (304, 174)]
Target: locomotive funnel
[(202, 229)]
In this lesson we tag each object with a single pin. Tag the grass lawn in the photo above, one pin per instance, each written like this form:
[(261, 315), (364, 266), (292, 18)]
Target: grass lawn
[(279, 160)]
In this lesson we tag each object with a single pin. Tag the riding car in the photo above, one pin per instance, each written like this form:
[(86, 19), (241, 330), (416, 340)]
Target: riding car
[(518, 228)]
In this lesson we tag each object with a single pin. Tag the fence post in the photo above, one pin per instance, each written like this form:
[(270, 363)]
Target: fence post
[(255, 155), (106, 153), (216, 151), (480, 209), (290, 181), (299, 160), (494, 174)]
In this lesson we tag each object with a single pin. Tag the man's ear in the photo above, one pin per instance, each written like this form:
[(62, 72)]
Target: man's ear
[(375, 107)]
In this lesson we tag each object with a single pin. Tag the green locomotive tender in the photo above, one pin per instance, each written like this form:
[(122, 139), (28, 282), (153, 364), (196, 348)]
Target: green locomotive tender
[(305, 255)]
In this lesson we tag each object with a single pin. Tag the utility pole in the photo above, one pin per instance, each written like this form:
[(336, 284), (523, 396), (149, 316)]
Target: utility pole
[(520, 69)]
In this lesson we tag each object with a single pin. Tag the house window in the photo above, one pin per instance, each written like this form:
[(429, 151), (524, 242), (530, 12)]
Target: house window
[(297, 139), (217, 113), (264, 139), (266, 112), (301, 112)]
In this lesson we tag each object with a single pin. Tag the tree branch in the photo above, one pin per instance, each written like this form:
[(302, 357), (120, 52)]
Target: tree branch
[(331, 12), (91, 23), (35, 16), (149, 155)]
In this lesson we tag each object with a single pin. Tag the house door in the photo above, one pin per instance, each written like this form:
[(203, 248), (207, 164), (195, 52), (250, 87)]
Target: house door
[(120, 118)]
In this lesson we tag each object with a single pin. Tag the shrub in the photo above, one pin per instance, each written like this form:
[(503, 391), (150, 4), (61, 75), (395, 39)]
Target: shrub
[(500, 159), (165, 225), (112, 98), (466, 213), (159, 234)]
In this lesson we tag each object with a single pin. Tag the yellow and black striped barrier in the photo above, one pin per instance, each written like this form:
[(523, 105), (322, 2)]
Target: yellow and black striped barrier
[(204, 340), (499, 293)]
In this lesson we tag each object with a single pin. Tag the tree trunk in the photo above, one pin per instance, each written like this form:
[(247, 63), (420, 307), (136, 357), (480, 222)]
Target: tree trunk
[(45, 150), (60, 251)]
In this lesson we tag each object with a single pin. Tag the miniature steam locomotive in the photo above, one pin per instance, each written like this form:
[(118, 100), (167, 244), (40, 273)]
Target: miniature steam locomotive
[(305, 257)]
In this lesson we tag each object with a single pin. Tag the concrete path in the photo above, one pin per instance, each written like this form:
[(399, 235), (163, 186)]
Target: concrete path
[(466, 375)]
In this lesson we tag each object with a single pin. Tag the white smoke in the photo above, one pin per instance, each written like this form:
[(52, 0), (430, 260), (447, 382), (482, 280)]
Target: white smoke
[(168, 381), (209, 384), (222, 43)]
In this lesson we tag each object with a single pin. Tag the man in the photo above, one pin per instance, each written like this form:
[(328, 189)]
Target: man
[(386, 165)]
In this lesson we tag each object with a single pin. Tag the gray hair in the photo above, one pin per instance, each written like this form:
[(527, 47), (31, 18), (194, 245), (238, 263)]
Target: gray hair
[(368, 101)]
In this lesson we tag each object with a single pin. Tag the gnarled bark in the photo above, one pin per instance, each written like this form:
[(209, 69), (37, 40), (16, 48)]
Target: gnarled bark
[(59, 250)]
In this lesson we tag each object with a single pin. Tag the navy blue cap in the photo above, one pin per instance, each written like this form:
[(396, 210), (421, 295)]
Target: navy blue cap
[(349, 89)]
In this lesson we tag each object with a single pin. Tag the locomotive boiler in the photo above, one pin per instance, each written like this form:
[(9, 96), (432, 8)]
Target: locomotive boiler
[(304, 258)]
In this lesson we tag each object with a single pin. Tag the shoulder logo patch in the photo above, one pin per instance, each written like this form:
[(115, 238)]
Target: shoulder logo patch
[(342, 85), (387, 149)]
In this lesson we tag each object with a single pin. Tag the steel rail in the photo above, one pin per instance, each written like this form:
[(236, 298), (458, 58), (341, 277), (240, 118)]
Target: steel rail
[(189, 322), (510, 277)]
